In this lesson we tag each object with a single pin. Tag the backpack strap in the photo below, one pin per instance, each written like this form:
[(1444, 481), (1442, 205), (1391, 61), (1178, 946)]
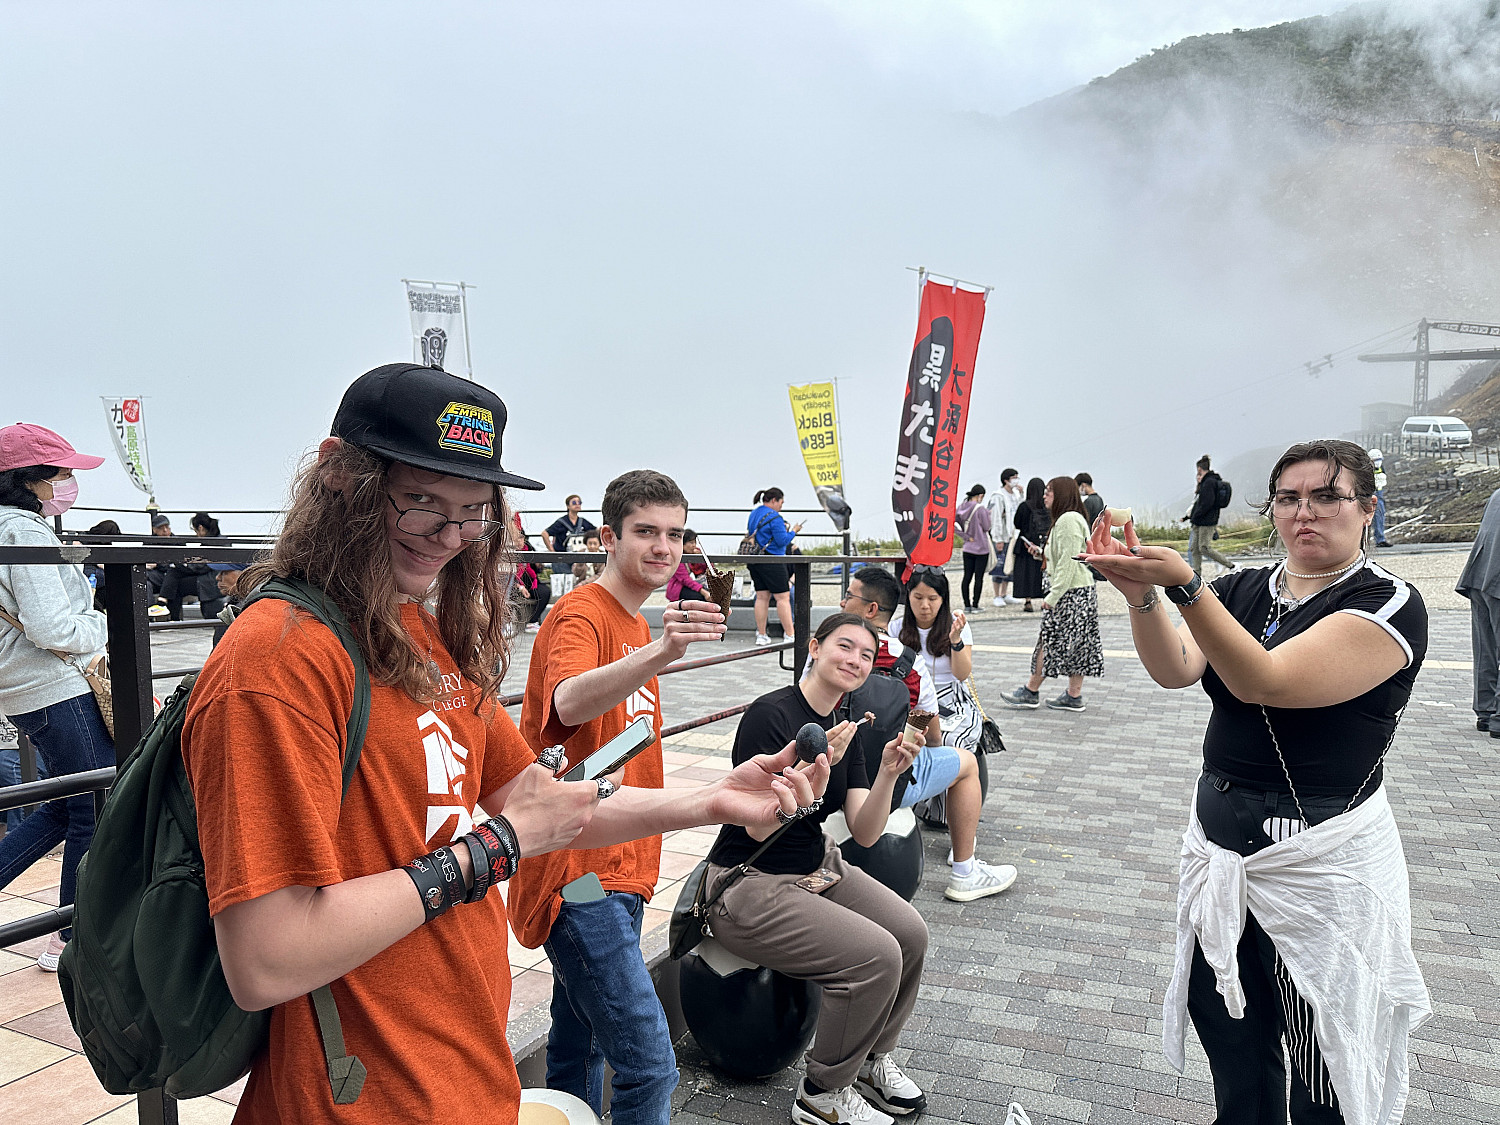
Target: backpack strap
[(346, 1074), (761, 526), (304, 595), (904, 664)]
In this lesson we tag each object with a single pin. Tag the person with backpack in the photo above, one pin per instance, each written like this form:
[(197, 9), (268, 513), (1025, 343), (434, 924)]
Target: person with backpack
[(807, 912), (771, 535), (1212, 496), (874, 593), (338, 756), (50, 633)]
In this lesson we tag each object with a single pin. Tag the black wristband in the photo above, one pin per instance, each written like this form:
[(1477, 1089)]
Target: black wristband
[(424, 873), (1186, 594), (452, 875), (496, 861), (480, 861), (501, 846), (957, 646)]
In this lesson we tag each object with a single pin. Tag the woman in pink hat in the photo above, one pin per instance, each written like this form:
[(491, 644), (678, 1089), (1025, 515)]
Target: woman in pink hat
[(48, 631)]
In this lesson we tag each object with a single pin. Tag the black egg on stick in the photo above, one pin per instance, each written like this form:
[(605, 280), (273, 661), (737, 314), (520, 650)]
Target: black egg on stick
[(811, 741)]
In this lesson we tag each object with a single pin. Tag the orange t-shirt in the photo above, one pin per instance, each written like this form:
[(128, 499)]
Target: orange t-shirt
[(588, 629), (263, 744)]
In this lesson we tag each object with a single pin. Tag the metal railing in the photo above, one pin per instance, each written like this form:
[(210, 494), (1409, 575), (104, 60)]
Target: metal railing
[(127, 601)]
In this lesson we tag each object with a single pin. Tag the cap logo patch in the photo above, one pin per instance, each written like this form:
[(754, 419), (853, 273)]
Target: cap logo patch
[(467, 429)]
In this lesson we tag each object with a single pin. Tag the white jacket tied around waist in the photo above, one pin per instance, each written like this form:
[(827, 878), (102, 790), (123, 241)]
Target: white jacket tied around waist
[(1335, 901)]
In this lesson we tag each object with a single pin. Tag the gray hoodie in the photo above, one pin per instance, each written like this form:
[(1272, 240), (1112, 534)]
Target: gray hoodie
[(56, 604)]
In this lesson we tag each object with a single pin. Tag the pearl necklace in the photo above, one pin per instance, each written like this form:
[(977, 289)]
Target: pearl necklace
[(1281, 598), (1329, 573)]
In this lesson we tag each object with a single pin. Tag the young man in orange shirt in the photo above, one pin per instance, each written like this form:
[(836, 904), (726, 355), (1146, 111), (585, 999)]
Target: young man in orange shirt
[(593, 671), (399, 521)]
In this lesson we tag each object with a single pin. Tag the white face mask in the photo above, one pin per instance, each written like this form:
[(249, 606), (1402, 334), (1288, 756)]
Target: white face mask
[(64, 493)]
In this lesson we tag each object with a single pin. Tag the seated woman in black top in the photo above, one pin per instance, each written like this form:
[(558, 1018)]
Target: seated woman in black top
[(1309, 664), (804, 912)]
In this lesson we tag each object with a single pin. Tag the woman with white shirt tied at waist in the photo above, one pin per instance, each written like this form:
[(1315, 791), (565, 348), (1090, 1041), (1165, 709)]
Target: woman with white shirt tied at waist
[(1068, 643), (1309, 665)]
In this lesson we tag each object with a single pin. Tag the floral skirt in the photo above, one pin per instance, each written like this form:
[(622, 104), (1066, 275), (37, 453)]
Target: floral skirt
[(1068, 640)]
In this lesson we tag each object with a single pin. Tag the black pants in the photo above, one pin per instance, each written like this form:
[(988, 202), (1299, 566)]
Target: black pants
[(973, 571), (1246, 1055), (539, 599), (178, 583)]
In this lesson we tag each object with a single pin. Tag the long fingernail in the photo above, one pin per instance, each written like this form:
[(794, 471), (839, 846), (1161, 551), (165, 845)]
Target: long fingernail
[(1135, 550)]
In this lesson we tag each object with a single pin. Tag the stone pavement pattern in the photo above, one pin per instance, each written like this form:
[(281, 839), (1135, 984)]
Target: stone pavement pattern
[(1051, 993)]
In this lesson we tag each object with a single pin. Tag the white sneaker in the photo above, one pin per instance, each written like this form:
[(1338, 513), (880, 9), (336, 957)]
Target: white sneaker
[(983, 881), (997, 602), (882, 1082), (835, 1107), (761, 640), (1013, 601)]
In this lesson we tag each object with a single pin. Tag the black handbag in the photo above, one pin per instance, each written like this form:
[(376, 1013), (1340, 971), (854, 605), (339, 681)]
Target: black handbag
[(689, 923), (990, 741), (750, 545)]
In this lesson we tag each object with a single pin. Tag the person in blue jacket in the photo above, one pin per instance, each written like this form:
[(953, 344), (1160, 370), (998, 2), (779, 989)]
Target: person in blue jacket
[(774, 535)]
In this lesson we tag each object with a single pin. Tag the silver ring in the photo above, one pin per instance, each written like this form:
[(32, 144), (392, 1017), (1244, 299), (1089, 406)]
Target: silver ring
[(551, 757), (606, 787), (785, 817)]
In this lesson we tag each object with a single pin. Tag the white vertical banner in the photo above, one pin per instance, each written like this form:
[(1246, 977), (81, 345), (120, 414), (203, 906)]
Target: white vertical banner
[(440, 324), (127, 425)]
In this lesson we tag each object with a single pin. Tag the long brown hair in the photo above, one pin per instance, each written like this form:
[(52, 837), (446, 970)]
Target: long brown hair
[(336, 539), (1066, 498)]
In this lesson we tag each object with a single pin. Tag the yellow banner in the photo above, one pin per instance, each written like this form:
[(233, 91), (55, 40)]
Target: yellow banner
[(818, 433)]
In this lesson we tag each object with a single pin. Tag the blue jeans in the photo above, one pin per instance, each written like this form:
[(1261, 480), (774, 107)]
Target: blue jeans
[(604, 1007), (69, 738), (10, 774), (1380, 516)]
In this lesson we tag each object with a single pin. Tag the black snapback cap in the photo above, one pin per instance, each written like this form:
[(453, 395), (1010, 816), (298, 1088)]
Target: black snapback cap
[(425, 417)]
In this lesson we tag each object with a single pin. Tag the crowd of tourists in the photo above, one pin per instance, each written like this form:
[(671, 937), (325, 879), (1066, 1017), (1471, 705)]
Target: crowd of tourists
[(413, 540)]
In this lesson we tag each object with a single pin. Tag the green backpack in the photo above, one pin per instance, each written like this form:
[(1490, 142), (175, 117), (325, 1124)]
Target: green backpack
[(141, 977)]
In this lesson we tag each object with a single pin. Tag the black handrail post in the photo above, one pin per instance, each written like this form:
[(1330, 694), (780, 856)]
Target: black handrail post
[(27, 754), (801, 616), (844, 568), (125, 602)]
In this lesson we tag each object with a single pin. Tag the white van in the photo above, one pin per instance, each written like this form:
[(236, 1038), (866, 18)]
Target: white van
[(1434, 432)]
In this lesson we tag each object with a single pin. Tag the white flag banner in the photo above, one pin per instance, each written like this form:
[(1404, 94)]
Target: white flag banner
[(127, 425), (439, 334)]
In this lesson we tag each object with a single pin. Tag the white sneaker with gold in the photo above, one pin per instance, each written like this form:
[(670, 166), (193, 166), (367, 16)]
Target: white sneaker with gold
[(835, 1107)]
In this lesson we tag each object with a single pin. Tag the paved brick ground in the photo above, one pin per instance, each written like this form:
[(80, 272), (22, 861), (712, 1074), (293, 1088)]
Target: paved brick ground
[(1051, 994)]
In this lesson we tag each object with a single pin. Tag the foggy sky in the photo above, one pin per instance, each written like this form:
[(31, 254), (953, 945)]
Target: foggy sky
[(670, 212)]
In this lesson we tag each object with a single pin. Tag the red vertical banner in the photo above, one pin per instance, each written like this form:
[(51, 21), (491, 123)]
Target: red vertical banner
[(934, 416)]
